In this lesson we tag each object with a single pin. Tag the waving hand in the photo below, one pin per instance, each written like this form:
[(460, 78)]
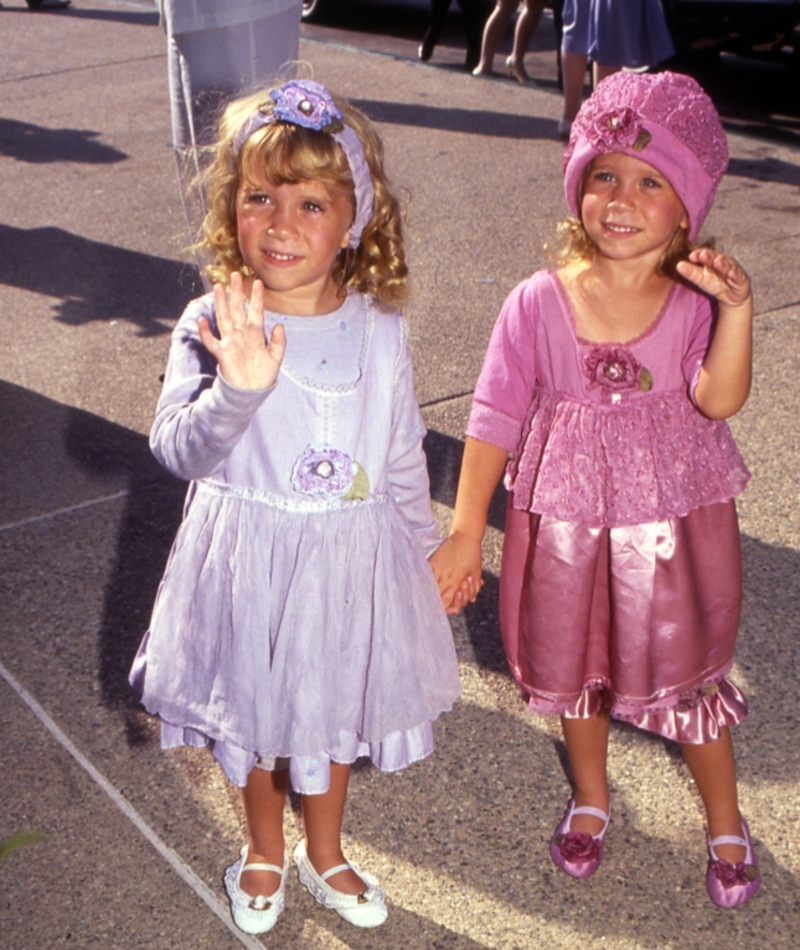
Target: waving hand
[(245, 358), (718, 275)]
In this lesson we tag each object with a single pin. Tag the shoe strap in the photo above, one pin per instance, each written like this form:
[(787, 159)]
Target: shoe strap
[(590, 810), (331, 871), (729, 839), (261, 866)]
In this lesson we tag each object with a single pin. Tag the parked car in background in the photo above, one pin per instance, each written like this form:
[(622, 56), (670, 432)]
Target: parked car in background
[(315, 9), (761, 28), (768, 28)]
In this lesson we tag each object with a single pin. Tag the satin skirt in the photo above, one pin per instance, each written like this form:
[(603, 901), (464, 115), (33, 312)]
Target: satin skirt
[(640, 620)]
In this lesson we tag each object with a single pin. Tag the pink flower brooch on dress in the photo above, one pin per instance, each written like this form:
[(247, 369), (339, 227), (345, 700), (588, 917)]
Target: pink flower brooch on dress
[(616, 369)]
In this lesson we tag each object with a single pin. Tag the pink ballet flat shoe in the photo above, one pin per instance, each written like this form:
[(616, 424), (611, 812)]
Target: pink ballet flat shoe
[(577, 852), (730, 885)]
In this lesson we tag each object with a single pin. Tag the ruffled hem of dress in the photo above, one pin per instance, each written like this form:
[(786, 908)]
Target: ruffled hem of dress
[(309, 635), (308, 774), (692, 717), (646, 460)]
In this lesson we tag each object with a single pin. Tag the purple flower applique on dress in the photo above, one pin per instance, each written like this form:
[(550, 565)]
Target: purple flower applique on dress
[(616, 369), (617, 129), (329, 473), (307, 103)]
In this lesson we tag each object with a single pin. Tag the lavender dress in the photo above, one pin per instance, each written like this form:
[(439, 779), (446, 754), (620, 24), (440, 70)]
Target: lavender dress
[(630, 33), (298, 621), (621, 574)]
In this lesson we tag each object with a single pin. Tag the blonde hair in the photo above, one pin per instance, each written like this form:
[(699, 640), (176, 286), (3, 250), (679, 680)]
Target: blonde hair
[(284, 153)]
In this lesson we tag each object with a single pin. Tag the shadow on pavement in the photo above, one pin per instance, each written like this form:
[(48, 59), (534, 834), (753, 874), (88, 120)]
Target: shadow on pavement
[(97, 281), (483, 121), (766, 169), (444, 464), (145, 18), (26, 142), (60, 462)]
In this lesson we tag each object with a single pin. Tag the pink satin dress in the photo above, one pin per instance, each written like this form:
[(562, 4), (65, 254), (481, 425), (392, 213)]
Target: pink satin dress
[(621, 576)]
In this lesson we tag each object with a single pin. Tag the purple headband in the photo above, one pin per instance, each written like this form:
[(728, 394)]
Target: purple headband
[(310, 105), (666, 120)]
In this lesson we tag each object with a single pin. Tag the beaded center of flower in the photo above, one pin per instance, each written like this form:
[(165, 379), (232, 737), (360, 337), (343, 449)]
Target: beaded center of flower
[(614, 371)]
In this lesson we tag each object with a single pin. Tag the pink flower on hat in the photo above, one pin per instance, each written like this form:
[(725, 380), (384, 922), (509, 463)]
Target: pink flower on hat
[(614, 129)]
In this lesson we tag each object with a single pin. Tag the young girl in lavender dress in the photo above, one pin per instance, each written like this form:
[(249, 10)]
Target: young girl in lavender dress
[(298, 625), (608, 379)]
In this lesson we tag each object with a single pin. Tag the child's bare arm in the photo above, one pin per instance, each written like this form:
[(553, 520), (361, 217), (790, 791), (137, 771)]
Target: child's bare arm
[(459, 557), (724, 383)]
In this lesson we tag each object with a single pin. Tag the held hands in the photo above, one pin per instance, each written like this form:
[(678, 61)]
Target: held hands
[(244, 358), (718, 275), (456, 564)]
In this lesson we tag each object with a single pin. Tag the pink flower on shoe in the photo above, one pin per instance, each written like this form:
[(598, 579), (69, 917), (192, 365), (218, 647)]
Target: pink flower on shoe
[(730, 875), (579, 846)]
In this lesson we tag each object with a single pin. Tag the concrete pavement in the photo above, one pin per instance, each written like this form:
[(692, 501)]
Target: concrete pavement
[(92, 278)]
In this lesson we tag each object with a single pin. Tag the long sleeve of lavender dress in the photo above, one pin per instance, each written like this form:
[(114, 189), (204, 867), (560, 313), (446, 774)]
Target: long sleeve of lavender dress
[(408, 472), (200, 417)]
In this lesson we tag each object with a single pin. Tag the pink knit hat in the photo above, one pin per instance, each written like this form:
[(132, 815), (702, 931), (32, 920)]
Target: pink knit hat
[(664, 119)]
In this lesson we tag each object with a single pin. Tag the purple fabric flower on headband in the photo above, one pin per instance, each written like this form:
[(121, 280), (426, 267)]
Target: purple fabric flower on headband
[(615, 129), (306, 103)]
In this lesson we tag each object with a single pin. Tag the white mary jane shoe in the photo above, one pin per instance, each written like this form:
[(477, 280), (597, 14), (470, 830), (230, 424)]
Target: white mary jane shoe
[(367, 909), (254, 915)]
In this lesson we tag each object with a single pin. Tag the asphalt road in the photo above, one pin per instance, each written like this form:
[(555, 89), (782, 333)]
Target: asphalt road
[(93, 275)]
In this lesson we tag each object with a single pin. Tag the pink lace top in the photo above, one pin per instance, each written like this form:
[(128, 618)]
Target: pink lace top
[(604, 434)]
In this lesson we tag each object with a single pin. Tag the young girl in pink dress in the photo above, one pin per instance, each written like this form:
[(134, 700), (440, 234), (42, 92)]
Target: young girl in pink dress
[(608, 380), (298, 625)]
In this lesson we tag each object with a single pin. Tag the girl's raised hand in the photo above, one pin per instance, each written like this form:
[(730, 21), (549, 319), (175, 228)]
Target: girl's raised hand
[(245, 359), (718, 275)]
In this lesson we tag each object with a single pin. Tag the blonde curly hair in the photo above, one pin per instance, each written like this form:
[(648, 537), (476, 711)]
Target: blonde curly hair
[(285, 154)]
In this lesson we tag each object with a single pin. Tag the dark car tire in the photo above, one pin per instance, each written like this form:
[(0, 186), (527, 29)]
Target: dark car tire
[(314, 10)]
